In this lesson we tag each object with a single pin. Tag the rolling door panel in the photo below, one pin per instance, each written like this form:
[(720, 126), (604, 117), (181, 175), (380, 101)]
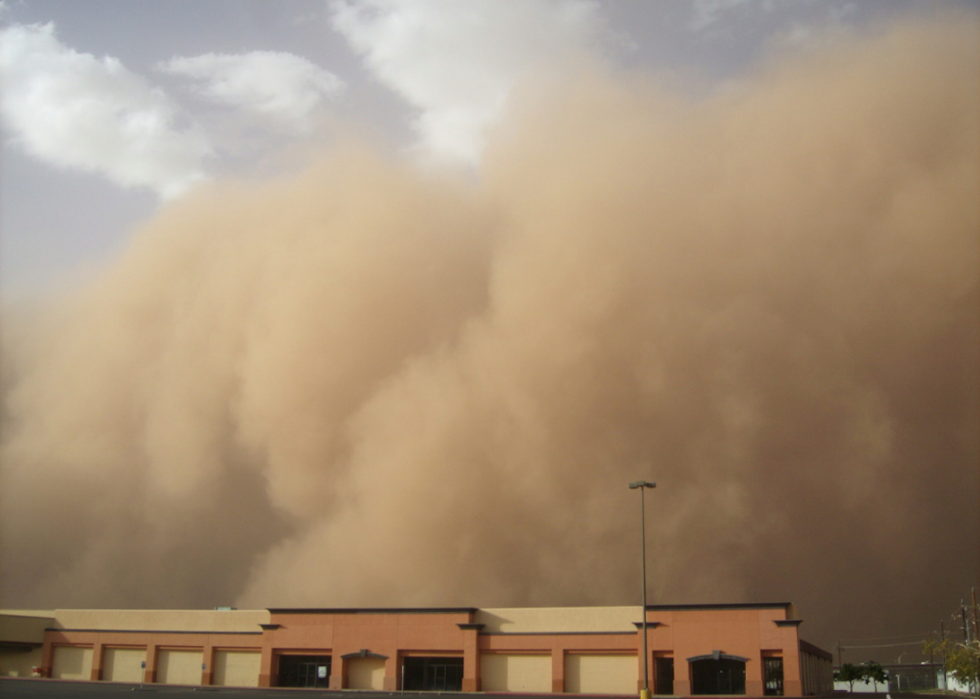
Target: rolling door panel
[(237, 668), (515, 673), (71, 663), (179, 666), (123, 664), (601, 674)]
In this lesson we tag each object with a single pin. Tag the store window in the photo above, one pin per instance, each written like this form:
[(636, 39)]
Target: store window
[(717, 673), (304, 671), (773, 668), (436, 674)]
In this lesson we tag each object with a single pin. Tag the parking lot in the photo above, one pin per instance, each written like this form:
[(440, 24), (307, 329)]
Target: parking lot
[(60, 689), (11, 688)]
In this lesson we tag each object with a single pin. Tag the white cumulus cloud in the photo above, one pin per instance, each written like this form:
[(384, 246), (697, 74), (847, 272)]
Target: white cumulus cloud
[(76, 111), (282, 87), (456, 61)]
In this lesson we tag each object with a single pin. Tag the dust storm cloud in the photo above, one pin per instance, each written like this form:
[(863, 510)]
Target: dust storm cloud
[(371, 386)]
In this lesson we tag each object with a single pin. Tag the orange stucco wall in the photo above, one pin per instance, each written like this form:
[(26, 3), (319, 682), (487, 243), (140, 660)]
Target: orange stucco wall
[(749, 633), (393, 634)]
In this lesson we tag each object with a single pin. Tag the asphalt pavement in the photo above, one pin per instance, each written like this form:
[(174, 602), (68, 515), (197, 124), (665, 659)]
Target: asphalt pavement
[(18, 688), (11, 688)]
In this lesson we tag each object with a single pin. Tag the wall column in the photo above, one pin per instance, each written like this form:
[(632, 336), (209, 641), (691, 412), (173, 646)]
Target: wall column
[(471, 657), (754, 681), (338, 672), (391, 671), (207, 658), (558, 670), (682, 677), (268, 660), (150, 673), (96, 673), (792, 673), (47, 654)]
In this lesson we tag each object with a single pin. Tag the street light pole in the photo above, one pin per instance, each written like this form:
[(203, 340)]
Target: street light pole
[(642, 486)]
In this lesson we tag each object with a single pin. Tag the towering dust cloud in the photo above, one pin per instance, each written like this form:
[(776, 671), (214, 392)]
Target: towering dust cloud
[(369, 386)]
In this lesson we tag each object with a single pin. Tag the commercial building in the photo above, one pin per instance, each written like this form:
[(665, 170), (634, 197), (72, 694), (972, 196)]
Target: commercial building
[(694, 649)]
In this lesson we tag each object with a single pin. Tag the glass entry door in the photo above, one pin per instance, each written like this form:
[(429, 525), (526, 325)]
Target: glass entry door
[(721, 676), (433, 674), (304, 671)]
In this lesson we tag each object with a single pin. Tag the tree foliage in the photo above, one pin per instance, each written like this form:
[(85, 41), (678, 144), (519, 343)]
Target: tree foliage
[(961, 661), (874, 672), (865, 672), (850, 674)]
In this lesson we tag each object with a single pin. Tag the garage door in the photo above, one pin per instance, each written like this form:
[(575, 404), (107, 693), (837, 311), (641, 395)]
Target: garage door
[(72, 663), (601, 674), (179, 666), (123, 664), (515, 673), (366, 673), (235, 668)]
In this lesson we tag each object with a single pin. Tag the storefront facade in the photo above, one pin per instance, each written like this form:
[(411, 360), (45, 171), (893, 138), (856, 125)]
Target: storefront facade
[(753, 650)]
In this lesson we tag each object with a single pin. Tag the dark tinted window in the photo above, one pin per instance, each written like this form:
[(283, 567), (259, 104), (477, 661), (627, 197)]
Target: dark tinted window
[(433, 674), (774, 676), (304, 671), (664, 682), (722, 676)]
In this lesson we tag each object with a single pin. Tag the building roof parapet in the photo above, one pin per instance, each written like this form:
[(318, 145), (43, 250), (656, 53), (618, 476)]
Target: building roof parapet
[(376, 610), (183, 631), (736, 605), (558, 633)]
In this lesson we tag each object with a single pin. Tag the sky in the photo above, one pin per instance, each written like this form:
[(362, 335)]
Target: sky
[(330, 303), (140, 100)]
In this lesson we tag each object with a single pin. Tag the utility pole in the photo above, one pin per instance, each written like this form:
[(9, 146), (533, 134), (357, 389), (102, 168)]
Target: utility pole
[(966, 635), (932, 665), (976, 629), (973, 591), (942, 638), (642, 486)]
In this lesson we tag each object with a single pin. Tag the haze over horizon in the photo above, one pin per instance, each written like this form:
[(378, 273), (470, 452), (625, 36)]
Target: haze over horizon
[(414, 358)]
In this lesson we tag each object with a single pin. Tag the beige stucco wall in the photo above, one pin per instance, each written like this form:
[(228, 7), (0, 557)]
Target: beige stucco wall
[(72, 663), (558, 619), (22, 627), (237, 668), (366, 673), (515, 673), (25, 627), (160, 619), (19, 663), (123, 664), (179, 666), (601, 674)]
